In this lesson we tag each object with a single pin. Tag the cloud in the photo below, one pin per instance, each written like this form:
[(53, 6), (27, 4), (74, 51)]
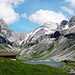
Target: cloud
[(13, 2), (72, 2), (7, 11), (68, 10), (24, 15), (43, 16)]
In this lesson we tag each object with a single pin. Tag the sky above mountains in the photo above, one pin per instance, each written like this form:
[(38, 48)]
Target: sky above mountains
[(26, 15)]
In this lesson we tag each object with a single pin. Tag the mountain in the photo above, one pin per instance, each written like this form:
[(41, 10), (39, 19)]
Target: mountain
[(43, 30), (8, 33), (63, 25), (50, 42), (8, 38)]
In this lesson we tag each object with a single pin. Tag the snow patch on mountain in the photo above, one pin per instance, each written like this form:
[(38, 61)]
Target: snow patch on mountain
[(47, 28)]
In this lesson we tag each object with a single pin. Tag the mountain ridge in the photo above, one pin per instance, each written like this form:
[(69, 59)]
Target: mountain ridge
[(48, 42), (37, 48)]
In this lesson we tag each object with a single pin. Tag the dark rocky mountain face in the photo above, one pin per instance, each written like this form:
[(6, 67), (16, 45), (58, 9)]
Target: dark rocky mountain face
[(62, 25), (56, 34), (64, 22), (5, 41), (72, 21)]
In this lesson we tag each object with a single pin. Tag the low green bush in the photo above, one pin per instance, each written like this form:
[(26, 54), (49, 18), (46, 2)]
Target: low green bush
[(51, 47)]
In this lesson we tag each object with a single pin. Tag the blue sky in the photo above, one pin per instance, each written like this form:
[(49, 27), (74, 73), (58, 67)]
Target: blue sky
[(27, 15)]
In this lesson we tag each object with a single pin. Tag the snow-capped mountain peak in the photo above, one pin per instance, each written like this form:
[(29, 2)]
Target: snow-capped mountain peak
[(47, 28)]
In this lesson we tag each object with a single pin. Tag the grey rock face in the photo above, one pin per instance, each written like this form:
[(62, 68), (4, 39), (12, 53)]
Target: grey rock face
[(4, 41), (7, 33), (8, 38), (63, 23), (72, 21)]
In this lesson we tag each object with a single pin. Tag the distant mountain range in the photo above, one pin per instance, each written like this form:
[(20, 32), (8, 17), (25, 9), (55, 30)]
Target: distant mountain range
[(51, 41)]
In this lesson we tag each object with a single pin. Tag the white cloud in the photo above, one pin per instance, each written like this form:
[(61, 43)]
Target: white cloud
[(7, 11), (14, 2), (24, 15), (43, 16), (72, 2), (70, 11)]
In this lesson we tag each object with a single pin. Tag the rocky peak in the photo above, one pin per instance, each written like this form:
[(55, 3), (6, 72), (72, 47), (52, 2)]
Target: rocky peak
[(72, 22), (39, 33), (72, 19), (49, 27), (1, 20), (63, 23), (7, 33), (2, 23)]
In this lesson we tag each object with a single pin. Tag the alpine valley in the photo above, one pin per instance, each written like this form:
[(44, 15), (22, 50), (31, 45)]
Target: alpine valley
[(51, 41)]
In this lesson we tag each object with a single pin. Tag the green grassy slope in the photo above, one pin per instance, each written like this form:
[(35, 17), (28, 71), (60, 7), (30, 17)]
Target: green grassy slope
[(9, 67)]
